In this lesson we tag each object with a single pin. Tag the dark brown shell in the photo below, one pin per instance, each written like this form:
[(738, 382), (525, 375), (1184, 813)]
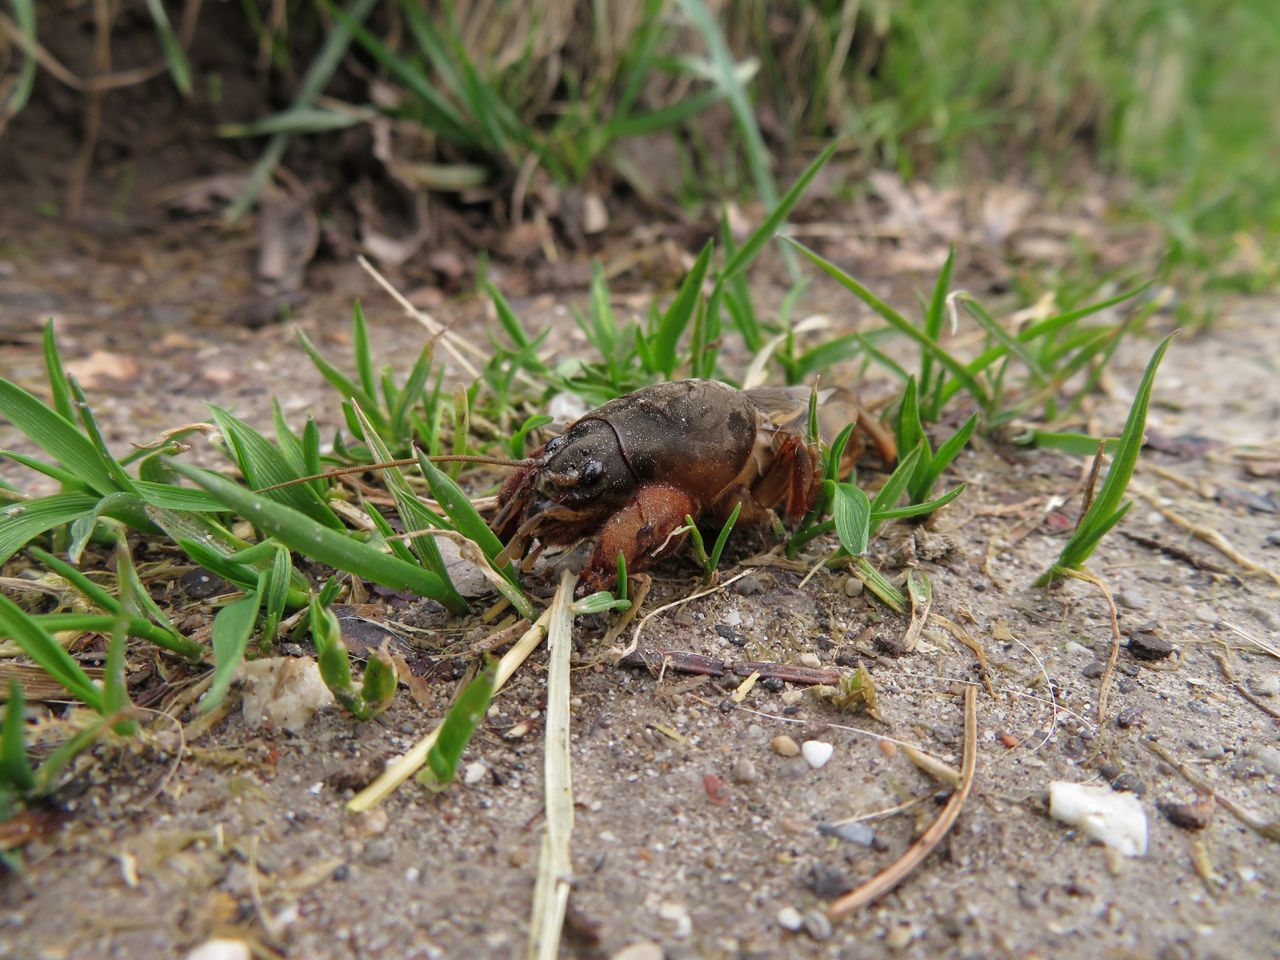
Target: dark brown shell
[(694, 434)]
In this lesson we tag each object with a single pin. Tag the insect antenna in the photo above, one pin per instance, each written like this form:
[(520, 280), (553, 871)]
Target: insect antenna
[(407, 462)]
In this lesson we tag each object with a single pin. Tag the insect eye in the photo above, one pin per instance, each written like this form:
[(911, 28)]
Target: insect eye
[(554, 444), (592, 471)]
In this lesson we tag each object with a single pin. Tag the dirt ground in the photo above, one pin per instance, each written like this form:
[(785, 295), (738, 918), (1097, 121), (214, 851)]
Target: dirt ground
[(692, 833), (693, 837)]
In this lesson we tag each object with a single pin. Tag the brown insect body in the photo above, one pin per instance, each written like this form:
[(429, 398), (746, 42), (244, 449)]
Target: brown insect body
[(632, 469)]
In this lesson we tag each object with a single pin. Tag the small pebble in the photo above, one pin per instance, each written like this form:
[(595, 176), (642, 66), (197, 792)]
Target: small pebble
[(817, 925), (474, 773), (744, 771), (220, 949), (1147, 645), (793, 695), (678, 914), (810, 660), (1129, 783), (1206, 614), (900, 937), (644, 950), (853, 587), (1077, 649), (789, 919), (859, 833), (817, 753), (378, 851), (773, 684), (784, 746), (1195, 706), (828, 883), (1133, 598), (1129, 717), (1190, 816), (1265, 686), (1269, 757), (1094, 670)]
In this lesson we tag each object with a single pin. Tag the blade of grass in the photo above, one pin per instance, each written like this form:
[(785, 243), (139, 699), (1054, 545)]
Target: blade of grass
[(23, 522), (56, 436), (459, 725), (15, 768), (299, 532), (322, 67), (174, 56), (898, 322), (231, 629), (48, 654), (1106, 510)]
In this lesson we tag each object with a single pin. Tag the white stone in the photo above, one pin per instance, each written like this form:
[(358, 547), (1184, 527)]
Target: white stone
[(474, 773), (816, 753), (1116, 819), (220, 949)]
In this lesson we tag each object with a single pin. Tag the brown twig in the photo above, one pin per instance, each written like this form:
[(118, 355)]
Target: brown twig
[(1240, 688), (1104, 688), (897, 871), (1265, 828)]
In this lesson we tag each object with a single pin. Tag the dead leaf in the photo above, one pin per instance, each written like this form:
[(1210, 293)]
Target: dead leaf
[(103, 370)]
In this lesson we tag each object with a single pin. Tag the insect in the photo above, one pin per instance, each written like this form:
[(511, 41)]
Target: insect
[(630, 471)]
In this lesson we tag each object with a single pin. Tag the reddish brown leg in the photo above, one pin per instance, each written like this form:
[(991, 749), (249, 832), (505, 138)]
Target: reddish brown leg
[(636, 531)]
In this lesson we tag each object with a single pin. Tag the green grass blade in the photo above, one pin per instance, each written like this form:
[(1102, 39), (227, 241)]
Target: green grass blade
[(899, 323), (916, 509), (890, 595), (410, 396), (23, 522), (95, 593), (363, 352), (48, 654), (896, 485), (675, 320), (174, 56), (115, 690), (924, 480), (459, 725), (1106, 510), (299, 532), (298, 120), (933, 319), (415, 515), (56, 436), (231, 629), (275, 596), (851, 512), (58, 385), (1131, 438), (119, 475), (24, 14), (340, 382), (15, 768), (70, 482), (464, 516), (263, 465), (322, 67), (729, 81), (1076, 444), (765, 232), (722, 538)]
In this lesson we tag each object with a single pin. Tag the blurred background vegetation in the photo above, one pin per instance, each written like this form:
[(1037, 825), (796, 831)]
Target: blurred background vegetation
[(1174, 98)]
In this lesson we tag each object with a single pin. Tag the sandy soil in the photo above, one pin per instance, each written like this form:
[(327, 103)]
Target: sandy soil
[(692, 833)]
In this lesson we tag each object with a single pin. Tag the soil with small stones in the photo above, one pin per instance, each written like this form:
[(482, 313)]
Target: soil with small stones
[(691, 832)]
